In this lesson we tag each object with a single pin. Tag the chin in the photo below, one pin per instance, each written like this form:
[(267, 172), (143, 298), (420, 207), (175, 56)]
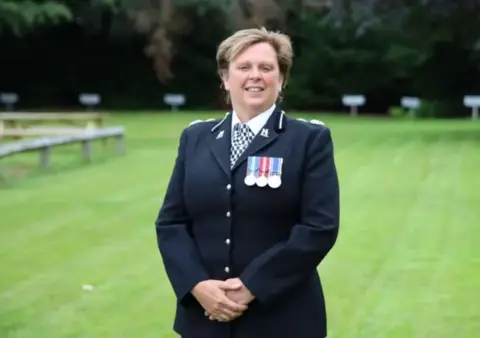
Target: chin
[(258, 104)]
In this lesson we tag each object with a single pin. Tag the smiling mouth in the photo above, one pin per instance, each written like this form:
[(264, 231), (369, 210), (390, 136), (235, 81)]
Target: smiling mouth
[(254, 89)]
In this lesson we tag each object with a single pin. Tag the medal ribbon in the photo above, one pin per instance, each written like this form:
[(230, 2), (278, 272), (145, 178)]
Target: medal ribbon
[(251, 165), (260, 166), (264, 165), (255, 166), (279, 166), (274, 166)]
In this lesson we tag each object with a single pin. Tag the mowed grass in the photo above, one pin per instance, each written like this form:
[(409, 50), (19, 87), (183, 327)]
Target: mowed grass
[(406, 264)]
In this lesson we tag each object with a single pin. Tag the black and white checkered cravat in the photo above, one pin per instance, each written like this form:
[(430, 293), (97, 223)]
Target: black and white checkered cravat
[(241, 138)]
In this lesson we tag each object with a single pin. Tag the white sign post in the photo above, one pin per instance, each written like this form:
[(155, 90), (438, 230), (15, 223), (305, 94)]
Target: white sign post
[(353, 101), (471, 101), (89, 100), (174, 100), (411, 103), (9, 100)]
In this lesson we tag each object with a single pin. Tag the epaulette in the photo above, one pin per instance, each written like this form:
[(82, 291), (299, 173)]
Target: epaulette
[(199, 121), (219, 123), (317, 122)]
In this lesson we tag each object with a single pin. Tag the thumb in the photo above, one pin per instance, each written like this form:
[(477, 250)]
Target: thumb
[(230, 285)]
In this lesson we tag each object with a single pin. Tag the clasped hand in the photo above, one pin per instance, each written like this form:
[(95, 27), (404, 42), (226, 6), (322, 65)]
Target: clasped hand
[(223, 300)]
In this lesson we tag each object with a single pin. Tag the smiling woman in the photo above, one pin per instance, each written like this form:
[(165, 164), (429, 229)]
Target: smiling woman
[(252, 206), (254, 66)]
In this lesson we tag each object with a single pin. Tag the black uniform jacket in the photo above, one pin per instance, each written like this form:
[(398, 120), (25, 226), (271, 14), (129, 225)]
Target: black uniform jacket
[(213, 226)]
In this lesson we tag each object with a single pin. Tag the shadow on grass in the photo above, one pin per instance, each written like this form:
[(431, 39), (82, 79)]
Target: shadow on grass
[(16, 170)]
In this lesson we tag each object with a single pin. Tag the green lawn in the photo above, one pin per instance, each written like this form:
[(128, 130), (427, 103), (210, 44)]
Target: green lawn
[(406, 265)]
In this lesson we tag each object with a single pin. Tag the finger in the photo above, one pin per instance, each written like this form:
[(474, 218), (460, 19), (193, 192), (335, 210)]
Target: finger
[(225, 312), (231, 310), (235, 297), (227, 303), (225, 318), (228, 318), (222, 317), (230, 286), (218, 318)]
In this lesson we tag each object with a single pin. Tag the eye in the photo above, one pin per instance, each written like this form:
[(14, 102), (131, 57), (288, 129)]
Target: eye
[(267, 68)]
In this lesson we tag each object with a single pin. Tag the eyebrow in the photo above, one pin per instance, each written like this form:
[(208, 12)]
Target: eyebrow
[(265, 63)]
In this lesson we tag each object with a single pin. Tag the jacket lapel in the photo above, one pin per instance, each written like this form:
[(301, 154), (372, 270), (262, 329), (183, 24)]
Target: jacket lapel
[(220, 143), (266, 136)]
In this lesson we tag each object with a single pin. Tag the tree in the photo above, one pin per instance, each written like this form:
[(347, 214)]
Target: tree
[(21, 16)]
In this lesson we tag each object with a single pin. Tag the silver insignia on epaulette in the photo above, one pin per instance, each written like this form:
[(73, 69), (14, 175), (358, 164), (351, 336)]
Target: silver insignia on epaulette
[(317, 122)]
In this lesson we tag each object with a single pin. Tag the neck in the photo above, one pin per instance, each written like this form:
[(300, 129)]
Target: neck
[(245, 114)]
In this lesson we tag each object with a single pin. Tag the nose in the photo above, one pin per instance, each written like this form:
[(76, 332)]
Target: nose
[(254, 73)]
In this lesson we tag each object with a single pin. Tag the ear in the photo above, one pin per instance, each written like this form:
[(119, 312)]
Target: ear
[(224, 76), (281, 82)]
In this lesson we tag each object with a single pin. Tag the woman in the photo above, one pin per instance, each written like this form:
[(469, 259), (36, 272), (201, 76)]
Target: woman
[(252, 207)]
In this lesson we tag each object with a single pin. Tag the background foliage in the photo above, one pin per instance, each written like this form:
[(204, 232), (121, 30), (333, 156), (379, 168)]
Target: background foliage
[(134, 51)]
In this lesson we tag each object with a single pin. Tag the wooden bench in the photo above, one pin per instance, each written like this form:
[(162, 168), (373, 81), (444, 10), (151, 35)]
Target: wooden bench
[(45, 144), (41, 131), (24, 124)]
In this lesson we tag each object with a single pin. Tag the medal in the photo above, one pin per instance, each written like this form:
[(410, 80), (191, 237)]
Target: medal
[(262, 179), (275, 172), (250, 180), (252, 168), (274, 181)]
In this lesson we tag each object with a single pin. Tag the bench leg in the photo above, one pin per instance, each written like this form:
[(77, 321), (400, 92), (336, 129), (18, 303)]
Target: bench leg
[(45, 157), (87, 150), (121, 145)]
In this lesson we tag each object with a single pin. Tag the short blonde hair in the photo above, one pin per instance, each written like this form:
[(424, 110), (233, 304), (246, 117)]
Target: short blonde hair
[(242, 39)]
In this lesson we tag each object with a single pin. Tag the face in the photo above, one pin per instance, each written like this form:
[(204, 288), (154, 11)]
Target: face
[(253, 78)]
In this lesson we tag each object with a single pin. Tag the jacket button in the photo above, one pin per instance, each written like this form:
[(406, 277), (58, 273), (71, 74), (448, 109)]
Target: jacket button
[(227, 241), (229, 186), (228, 214), (227, 269)]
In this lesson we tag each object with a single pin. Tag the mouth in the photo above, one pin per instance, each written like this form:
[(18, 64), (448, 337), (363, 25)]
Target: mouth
[(254, 89)]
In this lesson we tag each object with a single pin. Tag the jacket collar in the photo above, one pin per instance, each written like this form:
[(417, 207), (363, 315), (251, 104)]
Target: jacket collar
[(220, 141)]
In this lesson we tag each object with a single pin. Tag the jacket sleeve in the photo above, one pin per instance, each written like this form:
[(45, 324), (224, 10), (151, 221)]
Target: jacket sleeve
[(286, 264), (177, 248)]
